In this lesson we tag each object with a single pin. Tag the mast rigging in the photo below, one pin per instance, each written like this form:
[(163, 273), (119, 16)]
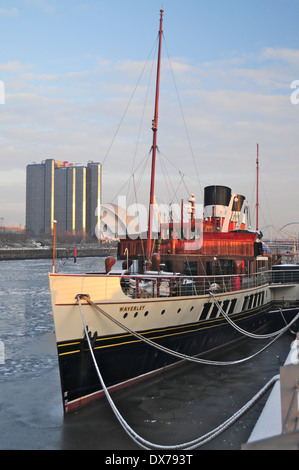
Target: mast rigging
[(257, 187), (154, 149)]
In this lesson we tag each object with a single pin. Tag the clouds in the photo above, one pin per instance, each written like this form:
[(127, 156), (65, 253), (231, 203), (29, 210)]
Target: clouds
[(9, 12), (42, 5), (72, 112), (45, 6), (290, 56), (13, 67)]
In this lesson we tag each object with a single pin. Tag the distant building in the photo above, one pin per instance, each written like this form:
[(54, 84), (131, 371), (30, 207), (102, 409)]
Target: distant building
[(63, 192), (93, 197)]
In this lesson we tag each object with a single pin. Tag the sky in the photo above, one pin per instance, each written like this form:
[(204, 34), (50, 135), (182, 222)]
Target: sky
[(78, 83)]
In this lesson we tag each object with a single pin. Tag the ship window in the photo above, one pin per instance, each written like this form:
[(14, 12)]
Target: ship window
[(258, 299), (261, 297), (146, 313), (245, 302), (179, 310), (232, 306), (205, 310), (214, 311), (225, 305), (190, 268), (250, 301), (191, 308), (125, 315), (163, 311), (135, 314)]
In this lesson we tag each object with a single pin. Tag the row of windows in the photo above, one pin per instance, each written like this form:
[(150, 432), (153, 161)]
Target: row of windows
[(228, 307), (253, 300)]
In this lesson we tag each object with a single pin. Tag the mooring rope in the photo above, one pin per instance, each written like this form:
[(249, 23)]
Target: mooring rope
[(247, 333), (175, 353), (145, 444), (281, 312)]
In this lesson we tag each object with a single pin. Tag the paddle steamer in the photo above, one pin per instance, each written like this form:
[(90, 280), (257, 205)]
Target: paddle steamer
[(186, 280)]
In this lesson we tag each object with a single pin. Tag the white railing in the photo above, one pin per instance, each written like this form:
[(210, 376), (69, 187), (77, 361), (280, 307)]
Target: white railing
[(145, 286)]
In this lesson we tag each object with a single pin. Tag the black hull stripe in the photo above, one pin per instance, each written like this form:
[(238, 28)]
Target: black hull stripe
[(134, 360), (156, 334)]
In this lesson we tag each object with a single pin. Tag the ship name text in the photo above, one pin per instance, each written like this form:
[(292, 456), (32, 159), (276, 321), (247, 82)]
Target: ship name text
[(131, 309)]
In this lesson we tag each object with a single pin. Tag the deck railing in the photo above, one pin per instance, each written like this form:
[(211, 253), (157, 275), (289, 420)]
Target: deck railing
[(151, 286)]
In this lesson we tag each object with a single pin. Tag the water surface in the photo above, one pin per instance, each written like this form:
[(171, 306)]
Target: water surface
[(178, 406)]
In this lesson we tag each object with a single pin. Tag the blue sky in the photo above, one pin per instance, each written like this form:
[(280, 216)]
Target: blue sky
[(70, 67)]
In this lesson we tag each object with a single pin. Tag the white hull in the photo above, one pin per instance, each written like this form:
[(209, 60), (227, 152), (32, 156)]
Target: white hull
[(187, 324), (136, 314)]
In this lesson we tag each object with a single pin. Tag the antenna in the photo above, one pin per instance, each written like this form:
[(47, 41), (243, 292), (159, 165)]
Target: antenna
[(257, 186)]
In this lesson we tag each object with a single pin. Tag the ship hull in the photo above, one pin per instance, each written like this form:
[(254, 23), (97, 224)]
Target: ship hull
[(125, 360), (191, 325)]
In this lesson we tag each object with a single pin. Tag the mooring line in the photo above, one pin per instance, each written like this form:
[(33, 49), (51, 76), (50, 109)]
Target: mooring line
[(175, 353), (193, 444), (247, 333), (187, 445)]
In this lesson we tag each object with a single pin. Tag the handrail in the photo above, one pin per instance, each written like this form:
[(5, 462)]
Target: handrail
[(167, 285)]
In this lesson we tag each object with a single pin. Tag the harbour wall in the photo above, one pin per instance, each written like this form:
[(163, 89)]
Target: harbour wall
[(47, 253)]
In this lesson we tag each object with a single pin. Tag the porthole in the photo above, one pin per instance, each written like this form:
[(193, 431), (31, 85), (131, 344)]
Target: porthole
[(125, 315), (163, 311), (179, 310), (135, 314), (191, 308), (146, 313)]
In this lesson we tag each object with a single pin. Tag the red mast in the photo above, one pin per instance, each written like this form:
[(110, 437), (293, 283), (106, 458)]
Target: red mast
[(257, 186), (154, 151)]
